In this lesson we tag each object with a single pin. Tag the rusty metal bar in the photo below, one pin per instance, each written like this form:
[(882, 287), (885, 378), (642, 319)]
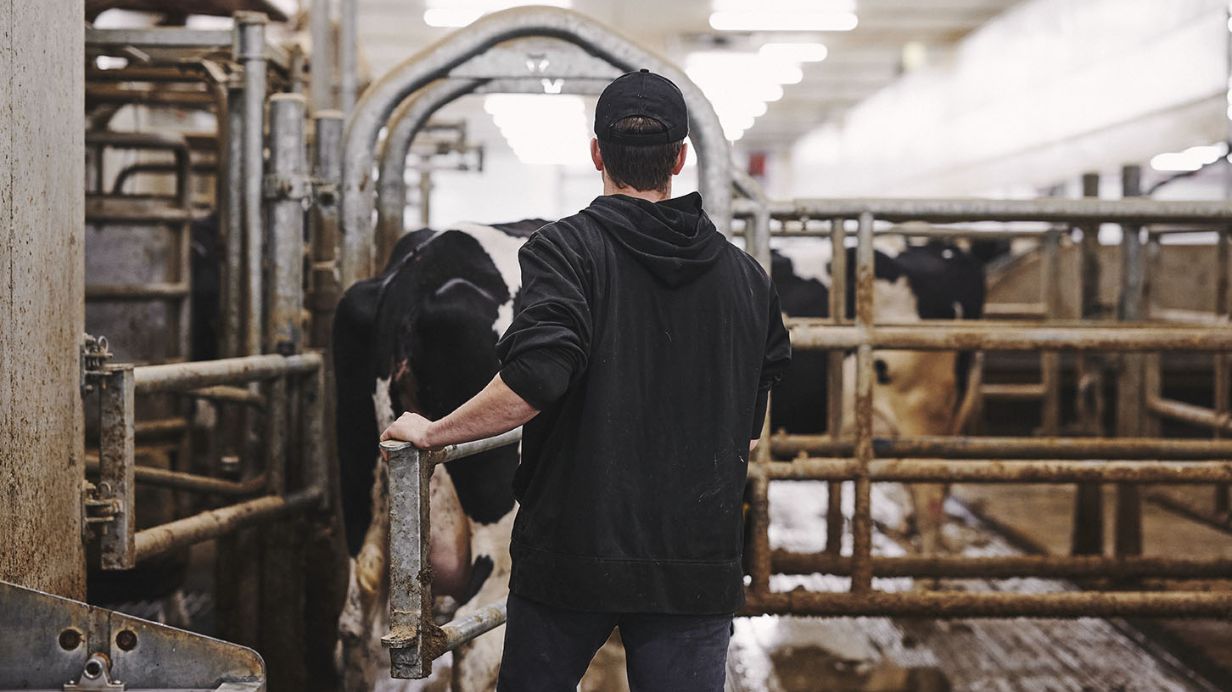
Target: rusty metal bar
[(150, 291), (1014, 392), (1050, 210), (161, 427), (862, 521), (287, 190), (219, 522), (924, 470), (462, 630), (327, 170), (1222, 501), (834, 377), (1014, 311), (956, 447), (759, 534), (163, 478), (1087, 536), (941, 335), (206, 373), (1006, 567), (249, 49), (1130, 408), (1189, 413), (933, 604), (116, 483), (1050, 360)]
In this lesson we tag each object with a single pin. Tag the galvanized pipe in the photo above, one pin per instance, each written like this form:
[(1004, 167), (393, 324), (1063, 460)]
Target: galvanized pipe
[(1222, 500), (996, 470), (933, 336), (759, 534), (348, 62), (437, 60), (249, 49), (321, 79), (966, 604), (327, 167), (176, 377), (1007, 567), (1050, 210), (289, 175), (410, 594), (1189, 413), (462, 630), (757, 234), (834, 380), (219, 522), (862, 522), (1010, 447), (406, 121), (163, 478), (231, 224)]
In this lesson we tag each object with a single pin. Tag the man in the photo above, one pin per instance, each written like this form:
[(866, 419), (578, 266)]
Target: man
[(640, 359)]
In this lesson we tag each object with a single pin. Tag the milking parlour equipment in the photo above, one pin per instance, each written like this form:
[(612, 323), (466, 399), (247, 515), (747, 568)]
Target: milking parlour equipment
[(544, 50), (243, 415)]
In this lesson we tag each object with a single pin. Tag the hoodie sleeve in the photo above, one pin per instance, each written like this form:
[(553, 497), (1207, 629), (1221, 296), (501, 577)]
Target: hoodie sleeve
[(776, 358), (547, 344)]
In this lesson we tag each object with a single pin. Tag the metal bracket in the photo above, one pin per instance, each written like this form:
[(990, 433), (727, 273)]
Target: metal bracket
[(282, 187), (54, 643), (94, 355)]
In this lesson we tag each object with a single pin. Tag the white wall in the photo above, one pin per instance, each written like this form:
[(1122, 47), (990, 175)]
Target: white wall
[(1046, 91)]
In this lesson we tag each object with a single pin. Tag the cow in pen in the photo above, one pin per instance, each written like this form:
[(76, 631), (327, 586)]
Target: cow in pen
[(915, 392), (422, 336)]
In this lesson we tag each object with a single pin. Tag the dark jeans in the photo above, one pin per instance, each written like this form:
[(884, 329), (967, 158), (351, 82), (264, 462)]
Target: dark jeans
[(548, 649)]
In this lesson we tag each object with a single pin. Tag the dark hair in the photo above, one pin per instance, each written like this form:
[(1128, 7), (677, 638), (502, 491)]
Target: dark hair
[(647, 167)]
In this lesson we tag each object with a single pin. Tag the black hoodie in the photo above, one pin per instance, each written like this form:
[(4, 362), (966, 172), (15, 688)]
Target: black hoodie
[(648, 343)]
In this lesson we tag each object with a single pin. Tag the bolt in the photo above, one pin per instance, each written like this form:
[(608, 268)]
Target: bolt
[(93, 669), (70, 639), (126, 640)]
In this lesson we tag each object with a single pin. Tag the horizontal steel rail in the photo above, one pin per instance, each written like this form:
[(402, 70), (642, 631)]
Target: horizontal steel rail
[(207, 373), (957, 447), (219, 522), (997, 470), (179, 480), (944, 337), (413, 639), (1000, 604), (1189, 413), (1050, 210), (1007, 566)]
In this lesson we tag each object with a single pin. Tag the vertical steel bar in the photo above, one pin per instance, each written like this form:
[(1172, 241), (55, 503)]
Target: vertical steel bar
[(834, 380), (231, 220), (250, 49), (288, 168), (348, 65), (425, 197), (1129, 381), (1087, 537), (410, 584), (328, 171), (321, 80), (862, 520), (116, 462), (1050, 361), (1222, 361)]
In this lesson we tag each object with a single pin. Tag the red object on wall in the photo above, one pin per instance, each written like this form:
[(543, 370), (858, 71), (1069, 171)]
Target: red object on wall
[(757, 164)]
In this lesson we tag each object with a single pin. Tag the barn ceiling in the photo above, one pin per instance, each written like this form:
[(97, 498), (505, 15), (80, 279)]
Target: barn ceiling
[(891, 36)]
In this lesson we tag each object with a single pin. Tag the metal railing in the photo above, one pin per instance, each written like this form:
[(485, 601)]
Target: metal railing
[(994, 460), (414, 640)]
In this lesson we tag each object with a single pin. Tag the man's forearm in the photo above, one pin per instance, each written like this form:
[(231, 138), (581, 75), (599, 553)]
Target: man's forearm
[(494, 410)]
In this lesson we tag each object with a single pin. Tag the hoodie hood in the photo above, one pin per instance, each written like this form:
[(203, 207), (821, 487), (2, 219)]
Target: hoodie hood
[(673, 239)]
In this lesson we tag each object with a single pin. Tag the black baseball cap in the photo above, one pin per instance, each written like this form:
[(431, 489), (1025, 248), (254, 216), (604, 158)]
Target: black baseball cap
[(646, 94)]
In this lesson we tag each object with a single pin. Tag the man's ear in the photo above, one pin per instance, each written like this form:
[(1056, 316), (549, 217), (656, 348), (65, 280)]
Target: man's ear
[(684, 153), (596, 156)]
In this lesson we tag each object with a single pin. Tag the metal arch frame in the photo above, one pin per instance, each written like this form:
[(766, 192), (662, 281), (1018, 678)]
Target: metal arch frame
[(440, 59)]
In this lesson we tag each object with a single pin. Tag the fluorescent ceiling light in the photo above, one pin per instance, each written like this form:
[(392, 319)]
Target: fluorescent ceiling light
[(794, 52), (762, 20), (457, 13), (1191, 159)]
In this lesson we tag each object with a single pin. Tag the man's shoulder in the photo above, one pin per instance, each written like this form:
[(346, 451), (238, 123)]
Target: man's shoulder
[(571, 231)]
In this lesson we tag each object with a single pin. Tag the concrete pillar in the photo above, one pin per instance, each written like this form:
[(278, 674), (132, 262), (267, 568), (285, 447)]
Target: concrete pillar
[(42, 150)]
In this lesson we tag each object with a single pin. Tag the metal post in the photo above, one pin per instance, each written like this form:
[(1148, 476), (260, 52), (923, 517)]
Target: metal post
[(287, 191), (410, 589), (759, 534), (425, 197), (231, 223), (834, 377), (116, 463), (328, 170), (862, 522), (1050, 361), (348, 65), (249, 48), (1130, 380), (321, 80), (1222, 364)]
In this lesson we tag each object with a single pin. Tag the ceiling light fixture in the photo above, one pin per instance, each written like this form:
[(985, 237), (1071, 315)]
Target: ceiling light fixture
[(542, 130), (1191, 159), (794, 52)]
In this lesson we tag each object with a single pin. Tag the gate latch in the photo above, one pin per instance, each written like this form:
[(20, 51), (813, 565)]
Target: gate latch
[(95, 675)]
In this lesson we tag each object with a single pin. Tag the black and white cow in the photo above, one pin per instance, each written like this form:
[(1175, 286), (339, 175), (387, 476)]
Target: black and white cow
[(421, 337)]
